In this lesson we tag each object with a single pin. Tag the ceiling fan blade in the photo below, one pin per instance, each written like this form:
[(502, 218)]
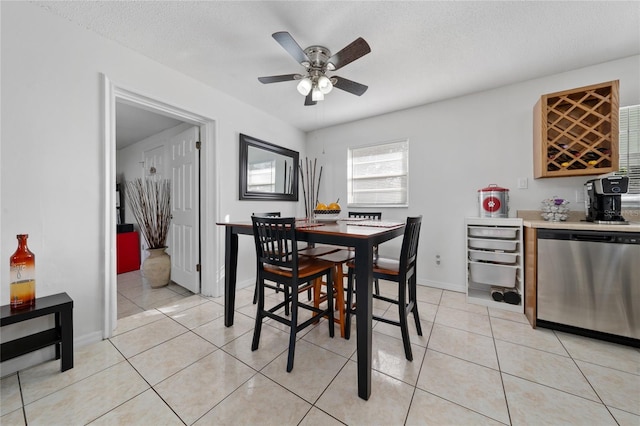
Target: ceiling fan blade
[(308, 100), (278, 78), (357, 49), (350, 86), (291, 46)]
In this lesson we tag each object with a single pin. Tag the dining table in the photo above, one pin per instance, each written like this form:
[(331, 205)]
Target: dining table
[(361, 236)]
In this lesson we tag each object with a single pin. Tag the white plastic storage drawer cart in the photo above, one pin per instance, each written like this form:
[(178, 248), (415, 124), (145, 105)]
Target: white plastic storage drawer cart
[(494, 260)]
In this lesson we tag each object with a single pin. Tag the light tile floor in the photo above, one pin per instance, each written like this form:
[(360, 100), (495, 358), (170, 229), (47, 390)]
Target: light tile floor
[(173, 362)]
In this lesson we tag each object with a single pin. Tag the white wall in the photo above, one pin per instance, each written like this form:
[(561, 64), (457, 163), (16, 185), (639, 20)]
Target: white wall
[(461, 145), (51, 160)]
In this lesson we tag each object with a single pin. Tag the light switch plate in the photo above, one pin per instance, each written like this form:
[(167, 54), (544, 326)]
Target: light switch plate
[(522, 183)]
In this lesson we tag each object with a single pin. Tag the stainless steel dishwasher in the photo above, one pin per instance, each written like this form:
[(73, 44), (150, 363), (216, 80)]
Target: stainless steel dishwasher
[(590, 282)]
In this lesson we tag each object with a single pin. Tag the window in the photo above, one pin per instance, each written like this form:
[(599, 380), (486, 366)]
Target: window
[(378, 175), (262, 177), (630, 148)]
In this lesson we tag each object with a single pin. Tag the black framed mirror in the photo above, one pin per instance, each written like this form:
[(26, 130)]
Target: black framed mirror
[(267, 171)]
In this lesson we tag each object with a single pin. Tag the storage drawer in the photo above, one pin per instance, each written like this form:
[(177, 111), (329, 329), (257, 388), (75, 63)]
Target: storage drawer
[(493, 274), (493, 256), (504, 245), (493, 232)]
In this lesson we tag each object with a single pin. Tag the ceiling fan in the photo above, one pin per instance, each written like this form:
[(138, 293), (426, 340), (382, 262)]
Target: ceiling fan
[(317, 60)]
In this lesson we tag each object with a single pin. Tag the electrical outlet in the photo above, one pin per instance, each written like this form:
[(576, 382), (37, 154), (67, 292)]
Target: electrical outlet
[(438, 259)]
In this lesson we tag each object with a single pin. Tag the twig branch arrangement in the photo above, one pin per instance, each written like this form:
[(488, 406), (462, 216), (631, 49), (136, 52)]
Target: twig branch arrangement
[(310, 187), (150, 202)]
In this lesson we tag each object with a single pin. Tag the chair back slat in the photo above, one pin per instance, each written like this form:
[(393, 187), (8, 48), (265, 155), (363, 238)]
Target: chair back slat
[(275, 240), (366, 215), (409, 251)]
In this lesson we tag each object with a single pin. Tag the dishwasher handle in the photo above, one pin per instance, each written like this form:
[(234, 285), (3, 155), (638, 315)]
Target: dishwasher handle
[(590, 236), (594, 238)]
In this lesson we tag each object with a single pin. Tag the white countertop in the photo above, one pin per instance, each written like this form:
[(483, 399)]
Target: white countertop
[(576, 220)]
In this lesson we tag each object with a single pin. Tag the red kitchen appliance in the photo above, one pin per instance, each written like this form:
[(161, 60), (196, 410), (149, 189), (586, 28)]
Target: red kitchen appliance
[(493, 201)]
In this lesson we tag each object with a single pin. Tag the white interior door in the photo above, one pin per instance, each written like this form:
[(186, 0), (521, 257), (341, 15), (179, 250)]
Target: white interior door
[(184, 237)]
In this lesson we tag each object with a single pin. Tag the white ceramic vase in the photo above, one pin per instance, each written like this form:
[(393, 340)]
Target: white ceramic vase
[(156, 268)]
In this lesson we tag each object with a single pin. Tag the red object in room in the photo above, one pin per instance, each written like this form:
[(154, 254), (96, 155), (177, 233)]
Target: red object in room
[(127, 252)]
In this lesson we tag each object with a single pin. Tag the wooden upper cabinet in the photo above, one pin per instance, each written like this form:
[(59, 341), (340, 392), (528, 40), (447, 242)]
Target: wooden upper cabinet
[(575, 132)]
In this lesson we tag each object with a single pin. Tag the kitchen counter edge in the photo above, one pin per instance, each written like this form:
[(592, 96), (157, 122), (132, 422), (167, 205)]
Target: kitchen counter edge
[(576, 221)]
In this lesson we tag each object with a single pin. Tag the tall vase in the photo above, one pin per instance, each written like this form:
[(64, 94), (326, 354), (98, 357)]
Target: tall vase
[(156, 268), (22, 265)]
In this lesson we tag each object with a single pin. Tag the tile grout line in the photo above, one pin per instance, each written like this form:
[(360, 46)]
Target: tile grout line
[(424, 357), (504, 390)]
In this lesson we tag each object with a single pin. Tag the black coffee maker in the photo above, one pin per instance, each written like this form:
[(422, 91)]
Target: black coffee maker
[(603, 199)]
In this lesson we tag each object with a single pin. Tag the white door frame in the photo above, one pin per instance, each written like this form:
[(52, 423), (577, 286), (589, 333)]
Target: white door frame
[(209, 193)]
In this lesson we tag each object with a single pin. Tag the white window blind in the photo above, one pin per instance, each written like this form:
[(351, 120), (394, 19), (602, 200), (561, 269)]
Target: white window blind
[(262, 177), (378, 175), (629, 141)]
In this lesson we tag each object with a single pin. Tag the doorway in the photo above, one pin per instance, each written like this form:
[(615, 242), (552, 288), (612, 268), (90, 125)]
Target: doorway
[(115, 96), (154, 146)]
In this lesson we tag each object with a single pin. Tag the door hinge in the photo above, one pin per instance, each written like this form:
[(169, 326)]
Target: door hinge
[(198, 145), (198, 267)]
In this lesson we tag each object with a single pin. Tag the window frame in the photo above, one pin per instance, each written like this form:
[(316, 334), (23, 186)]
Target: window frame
[(350, 156), (630, 117)]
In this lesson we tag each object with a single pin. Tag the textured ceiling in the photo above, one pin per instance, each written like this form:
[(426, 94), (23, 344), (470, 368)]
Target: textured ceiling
[(422, 51)]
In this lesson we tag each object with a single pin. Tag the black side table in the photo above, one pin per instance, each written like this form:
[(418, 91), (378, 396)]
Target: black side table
[(61, 335)]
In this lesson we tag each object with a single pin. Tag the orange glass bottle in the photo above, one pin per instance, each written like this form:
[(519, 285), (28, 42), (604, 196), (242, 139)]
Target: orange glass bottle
[(23, 276)]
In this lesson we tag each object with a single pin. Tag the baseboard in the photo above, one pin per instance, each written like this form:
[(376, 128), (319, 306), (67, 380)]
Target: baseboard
[(460, 288)]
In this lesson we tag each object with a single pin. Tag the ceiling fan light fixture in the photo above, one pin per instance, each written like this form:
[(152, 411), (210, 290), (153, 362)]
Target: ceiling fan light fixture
[(304, 86), (317, 95), (324, 84)]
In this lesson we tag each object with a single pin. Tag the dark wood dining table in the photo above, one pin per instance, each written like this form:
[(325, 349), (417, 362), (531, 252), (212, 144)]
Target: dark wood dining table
[(341, 233)]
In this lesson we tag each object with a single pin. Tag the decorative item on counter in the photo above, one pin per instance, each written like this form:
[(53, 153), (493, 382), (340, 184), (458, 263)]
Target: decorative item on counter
[(150, 201), (555, 209), (310, 187), (22, 287), (493, 201), (326, 212)]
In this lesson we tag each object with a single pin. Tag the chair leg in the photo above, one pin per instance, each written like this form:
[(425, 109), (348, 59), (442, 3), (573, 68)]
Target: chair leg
[(376, 286), (413, 298), (287, 296), (259, 315), (348, 310), (317, 290), (293, 330), (255, 294), (338, 289), (330, 302), (404, 328)]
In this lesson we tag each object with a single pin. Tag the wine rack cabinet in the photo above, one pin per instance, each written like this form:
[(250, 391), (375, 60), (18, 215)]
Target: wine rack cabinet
[(575, 132)]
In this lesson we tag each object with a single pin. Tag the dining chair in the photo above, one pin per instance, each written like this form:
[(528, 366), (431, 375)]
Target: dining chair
[(401, 271), (273, 287), (337, 259), (372, 216), (278, 261)]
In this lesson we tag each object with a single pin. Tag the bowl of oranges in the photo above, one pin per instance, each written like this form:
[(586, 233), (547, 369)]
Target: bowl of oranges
[(327, 212)]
